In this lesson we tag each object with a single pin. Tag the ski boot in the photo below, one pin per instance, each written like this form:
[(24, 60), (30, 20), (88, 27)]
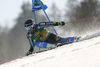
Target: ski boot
[(67, 40), (76, 39)]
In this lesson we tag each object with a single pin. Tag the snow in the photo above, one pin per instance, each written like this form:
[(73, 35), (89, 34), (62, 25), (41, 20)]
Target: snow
[(80, 54)]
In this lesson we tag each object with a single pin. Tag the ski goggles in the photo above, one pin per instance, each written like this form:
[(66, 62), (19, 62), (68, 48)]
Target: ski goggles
[(29, 27)]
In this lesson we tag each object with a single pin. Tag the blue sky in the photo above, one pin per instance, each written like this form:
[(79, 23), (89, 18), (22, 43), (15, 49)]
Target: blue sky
[(10, 9)]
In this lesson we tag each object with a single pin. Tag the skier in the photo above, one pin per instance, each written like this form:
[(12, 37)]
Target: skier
[(37, 32)]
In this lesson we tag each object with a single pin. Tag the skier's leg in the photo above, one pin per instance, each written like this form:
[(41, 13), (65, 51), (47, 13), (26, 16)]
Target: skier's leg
[(67, 40), (53, 39), (70, 39)]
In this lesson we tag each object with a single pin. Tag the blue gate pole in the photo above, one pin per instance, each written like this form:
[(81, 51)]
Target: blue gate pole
[(49, 21), (35, 17)]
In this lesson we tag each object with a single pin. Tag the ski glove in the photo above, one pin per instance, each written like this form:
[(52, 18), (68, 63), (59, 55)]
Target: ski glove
[(59, 23), (62, 23), (28, 53)]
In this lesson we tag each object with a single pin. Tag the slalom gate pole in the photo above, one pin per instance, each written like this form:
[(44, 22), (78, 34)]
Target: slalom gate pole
[(35, 17), (49, 21), (80, 20)]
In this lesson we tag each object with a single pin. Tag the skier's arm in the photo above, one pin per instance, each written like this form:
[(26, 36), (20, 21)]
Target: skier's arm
[(32, 45), (52, 23)]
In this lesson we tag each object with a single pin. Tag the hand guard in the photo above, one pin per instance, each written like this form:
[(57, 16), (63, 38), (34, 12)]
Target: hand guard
[(62, 23), (28, 53)]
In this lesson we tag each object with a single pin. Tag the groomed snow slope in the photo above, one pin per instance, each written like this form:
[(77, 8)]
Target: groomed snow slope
[(81, 54)]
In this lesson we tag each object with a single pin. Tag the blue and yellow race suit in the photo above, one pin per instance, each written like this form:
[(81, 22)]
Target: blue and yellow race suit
[(42, 34)]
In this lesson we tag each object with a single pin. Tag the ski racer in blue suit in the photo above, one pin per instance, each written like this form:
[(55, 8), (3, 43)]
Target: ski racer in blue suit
[(37, 32)]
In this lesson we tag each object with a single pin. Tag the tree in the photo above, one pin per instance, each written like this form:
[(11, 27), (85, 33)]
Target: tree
[(69, 8), (41, 16), (17, 37), (86, 8), (4, 47), (55, 13)]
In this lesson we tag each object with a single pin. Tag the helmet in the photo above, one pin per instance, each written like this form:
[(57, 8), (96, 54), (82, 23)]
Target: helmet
[(29, 24)]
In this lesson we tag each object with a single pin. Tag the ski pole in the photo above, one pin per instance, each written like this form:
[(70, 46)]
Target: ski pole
[(79, 20)]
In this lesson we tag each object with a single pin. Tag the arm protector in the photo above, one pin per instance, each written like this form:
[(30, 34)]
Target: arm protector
[(31, 42), (48, 24), (52, 23)]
